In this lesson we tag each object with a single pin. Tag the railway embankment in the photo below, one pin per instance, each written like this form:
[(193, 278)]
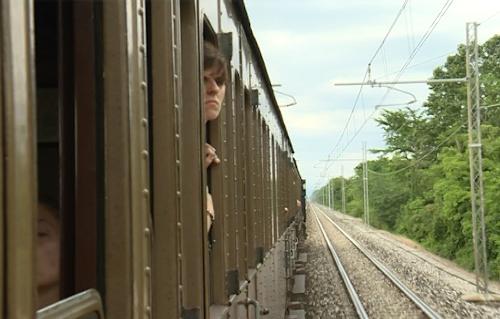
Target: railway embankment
[(439, 283)]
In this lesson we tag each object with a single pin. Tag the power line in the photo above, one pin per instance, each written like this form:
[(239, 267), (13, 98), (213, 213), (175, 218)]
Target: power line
[(350, 115), (395, 131), (367, 120), (426, 35), (416, 64), (388, 31), (352, 138), (367, 74), (410, 34), (415, 162), (490, 17), (424, 38)]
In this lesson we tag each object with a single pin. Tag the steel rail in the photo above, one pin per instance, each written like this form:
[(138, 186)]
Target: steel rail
[(431, 313), (358, 305)]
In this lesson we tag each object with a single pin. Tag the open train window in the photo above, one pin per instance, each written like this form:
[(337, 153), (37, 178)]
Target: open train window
[(220, 134), (215, 136), (48, 242), (209, 36), (69, 150)]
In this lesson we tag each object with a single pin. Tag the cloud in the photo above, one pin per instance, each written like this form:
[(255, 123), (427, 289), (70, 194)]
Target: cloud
[(312, 123), (336, 40), (309, 45)]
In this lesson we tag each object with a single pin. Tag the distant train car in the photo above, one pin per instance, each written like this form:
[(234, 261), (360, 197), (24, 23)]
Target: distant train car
[(104, 189)]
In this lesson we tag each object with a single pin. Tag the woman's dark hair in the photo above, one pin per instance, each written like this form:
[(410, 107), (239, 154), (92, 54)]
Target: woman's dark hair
[(213, 58)]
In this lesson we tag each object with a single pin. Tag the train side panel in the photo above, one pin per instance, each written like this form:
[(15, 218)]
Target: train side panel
[(114, 89)]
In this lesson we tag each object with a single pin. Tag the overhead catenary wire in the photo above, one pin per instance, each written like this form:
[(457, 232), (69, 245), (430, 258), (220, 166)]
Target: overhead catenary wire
[(351, 113), (426, 35), (368, 119), (358, 131), (423, 39), (410, 35), (419, 45), (490, 17), (330, 162), (416, 64), (367, 73), (427, 154), (388, 31), (410, 14), (415, 162)]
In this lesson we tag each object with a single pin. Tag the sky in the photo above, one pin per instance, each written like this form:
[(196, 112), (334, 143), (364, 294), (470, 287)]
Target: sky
[(308, 45)]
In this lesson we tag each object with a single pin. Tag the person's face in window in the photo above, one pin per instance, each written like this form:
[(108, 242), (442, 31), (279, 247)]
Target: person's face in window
[(47, 254), (215, 90)]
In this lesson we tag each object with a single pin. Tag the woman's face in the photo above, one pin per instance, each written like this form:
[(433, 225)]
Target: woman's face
[(215, 90), (47, 254)]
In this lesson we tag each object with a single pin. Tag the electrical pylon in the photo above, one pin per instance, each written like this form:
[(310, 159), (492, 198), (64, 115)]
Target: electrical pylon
[(475, 158), (365, 187)]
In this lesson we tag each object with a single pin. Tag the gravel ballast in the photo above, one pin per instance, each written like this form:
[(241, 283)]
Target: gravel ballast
[(326, 296), (436, 281)]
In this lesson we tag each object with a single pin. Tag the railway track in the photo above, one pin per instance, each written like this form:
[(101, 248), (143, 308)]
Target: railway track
[(373, 289), (414, 252)]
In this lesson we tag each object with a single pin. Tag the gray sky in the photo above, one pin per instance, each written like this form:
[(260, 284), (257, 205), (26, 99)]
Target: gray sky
[(310, 44)]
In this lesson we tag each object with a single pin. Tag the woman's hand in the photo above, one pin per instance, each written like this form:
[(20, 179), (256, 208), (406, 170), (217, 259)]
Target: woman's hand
[(210, 211), (210, 155)]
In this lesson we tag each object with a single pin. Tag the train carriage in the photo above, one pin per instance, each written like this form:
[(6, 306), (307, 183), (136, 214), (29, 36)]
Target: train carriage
[(102, 125)]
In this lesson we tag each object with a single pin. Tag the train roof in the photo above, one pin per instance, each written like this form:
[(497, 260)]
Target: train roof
[(245, 22)]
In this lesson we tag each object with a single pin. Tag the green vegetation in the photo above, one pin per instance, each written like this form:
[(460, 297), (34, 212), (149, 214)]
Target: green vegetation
[(419, 185)]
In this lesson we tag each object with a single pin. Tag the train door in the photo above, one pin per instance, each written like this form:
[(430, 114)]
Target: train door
[(218, 182)]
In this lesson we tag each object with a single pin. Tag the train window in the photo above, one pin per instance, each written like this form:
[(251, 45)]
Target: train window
[(267, 190), (216, 136), (48, 242), (274, 186), (259, 230), (250, 113), (241, 188), (69, 149), (231, 209)]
